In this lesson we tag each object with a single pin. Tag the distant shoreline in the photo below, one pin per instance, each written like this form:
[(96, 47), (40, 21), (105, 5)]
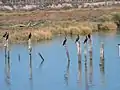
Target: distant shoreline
[(45, 24)]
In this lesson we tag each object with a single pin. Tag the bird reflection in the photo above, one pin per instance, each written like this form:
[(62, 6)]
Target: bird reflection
[(66, 76)]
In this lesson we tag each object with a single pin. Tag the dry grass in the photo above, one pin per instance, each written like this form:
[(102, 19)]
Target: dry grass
[(22, 36), (44, 24), (110, 25)]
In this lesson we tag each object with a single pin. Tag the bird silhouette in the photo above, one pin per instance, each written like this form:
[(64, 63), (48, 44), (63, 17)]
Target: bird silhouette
[(64, 42), (85, 41), (29, 37), (5, 34), (77, 39), (89, 36)]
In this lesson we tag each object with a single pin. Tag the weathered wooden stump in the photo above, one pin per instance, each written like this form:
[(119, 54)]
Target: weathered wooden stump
[(8, 57), (78, 51), (102, 53), (30, 57)]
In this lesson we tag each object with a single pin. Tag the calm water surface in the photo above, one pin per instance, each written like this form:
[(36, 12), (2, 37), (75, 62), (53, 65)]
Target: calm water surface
[(52, 74)]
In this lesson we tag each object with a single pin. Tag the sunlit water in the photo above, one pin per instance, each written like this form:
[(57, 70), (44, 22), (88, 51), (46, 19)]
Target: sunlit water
[(51, 75)]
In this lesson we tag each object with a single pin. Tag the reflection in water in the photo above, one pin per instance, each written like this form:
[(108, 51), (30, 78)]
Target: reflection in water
[(90, 68), (86, 78), (90, 72), (19, 57), (79, 69), (66, 76), (31, 84), (67, 53), (7, 81), (5, 64), (91, 63), (30, 63), (8, 64), (41, 64), (102, 71)]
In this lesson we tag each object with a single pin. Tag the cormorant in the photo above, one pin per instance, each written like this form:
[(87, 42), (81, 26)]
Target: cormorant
[(29, 35), (64, 42), (85, 41), (77, 39), (89, 36), (5, 34)]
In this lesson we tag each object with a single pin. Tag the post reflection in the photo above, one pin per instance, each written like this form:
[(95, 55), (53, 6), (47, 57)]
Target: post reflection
[(102, 71), (90, 69), (31, 84), (66, 76), (86, 78), (79, 69)]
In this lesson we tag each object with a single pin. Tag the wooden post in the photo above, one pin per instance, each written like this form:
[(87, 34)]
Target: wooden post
[(102, 53), (5, 48), (119, 50), (8, 52), (42, 59), (78, 51), (66, 76), (67, 53), (85, 52), (30, 57)]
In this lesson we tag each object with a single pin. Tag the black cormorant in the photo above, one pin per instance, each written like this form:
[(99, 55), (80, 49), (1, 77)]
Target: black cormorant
[(89, 36), (64, 42), (85, 41), (29, 37), (5, 34), (77, 39)]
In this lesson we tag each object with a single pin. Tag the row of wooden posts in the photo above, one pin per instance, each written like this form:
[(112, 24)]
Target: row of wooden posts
[(78, 45), (7, 54), (79, 53)]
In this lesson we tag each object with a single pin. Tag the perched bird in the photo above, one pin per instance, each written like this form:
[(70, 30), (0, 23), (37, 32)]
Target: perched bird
[(64, 42), (5, 34), (29, 35), (85, 41), (89, 36), (77, 39)]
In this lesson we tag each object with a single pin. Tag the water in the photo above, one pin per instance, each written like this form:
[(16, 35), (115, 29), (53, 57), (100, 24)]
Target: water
[(51, 74)]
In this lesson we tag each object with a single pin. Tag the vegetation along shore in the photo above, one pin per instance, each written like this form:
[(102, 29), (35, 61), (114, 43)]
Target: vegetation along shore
[(44, 24)]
